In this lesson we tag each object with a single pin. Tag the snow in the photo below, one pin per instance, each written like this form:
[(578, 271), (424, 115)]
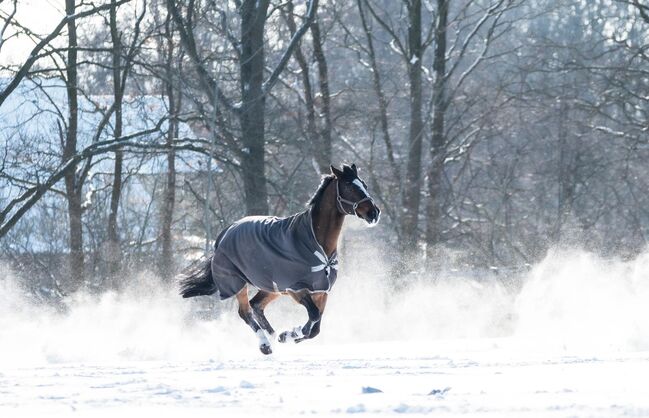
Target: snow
[(573, 340), (472, 378)]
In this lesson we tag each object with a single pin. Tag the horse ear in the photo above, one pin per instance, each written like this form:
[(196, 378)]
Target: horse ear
[(355, 169), (336, 172)]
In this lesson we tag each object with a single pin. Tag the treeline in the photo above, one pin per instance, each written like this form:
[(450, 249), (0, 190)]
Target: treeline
[(492, 128)]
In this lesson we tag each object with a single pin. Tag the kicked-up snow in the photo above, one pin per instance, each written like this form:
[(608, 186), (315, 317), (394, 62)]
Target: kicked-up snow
[(573, 340)]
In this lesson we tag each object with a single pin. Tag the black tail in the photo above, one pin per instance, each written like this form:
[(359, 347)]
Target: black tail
[(198, 280)]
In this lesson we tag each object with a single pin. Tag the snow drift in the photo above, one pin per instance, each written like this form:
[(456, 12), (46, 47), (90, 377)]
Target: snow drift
[(570, 301)]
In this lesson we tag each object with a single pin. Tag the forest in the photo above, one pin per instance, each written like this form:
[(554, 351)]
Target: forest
[(488, 131)]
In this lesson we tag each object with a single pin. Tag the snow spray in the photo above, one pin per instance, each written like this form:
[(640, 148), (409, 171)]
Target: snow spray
[(571, 300)]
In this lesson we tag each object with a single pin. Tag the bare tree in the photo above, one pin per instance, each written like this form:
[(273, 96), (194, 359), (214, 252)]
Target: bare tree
[(173, 97), (449, 77), (122, 62), (253, 88), (378, 89), (73, 184), (319, 138), (323, 155), (118, 92), (37, 52), (308, 93), (438, 141), (411, 50)]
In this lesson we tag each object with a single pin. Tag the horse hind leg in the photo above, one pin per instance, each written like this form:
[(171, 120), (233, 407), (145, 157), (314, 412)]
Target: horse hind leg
[(246, 313)]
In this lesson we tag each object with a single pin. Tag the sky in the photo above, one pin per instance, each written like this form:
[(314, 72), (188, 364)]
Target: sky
[(40, 16)]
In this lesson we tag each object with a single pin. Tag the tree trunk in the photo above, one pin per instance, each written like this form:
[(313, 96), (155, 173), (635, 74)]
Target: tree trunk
[(311, 129), (380, 94), (251, 116), (324, 143), (72, 189), (566, 170), (251, 109), (412, 186), (114, 253), (167, 266), (438, 146)]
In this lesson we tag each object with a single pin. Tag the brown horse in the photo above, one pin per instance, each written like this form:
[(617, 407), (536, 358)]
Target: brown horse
[(294, 256)]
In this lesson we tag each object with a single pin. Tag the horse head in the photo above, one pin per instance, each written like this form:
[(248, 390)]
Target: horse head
[(352, 197)]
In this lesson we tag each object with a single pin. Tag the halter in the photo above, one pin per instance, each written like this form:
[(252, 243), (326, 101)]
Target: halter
[(354, 205)]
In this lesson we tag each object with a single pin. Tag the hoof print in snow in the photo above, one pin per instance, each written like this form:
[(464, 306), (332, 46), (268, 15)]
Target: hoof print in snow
[(356, 409), (218, 389), (246, 385), (370, 389), (439, 392)]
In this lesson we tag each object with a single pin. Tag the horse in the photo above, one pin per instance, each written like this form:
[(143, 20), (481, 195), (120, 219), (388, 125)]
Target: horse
[(293, 256)]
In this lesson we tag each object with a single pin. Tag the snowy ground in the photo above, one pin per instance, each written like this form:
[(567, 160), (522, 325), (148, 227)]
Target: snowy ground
[(572, 341), (475, 378)]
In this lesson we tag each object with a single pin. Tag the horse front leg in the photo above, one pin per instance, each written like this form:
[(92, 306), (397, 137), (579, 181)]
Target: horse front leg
[(246, 313), (314, 304), (258, 304)]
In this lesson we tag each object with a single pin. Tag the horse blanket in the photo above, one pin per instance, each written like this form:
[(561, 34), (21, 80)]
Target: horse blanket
[(272, 254)]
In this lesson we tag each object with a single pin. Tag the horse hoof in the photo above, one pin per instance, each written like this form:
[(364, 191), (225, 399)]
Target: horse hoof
[(266, 349), (292, 335)]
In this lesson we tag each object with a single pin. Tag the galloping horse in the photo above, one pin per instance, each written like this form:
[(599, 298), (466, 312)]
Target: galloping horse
[(294, 256)]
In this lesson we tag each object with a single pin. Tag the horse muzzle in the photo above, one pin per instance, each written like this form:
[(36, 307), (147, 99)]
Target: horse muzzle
[(373, 216)]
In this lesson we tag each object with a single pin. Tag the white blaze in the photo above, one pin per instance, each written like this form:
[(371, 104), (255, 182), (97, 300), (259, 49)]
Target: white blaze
[(359, 184)]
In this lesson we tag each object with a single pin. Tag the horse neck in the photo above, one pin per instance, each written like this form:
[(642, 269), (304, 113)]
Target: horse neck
[(327, 220)]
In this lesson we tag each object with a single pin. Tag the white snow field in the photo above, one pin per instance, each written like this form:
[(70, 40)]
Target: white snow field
[(573, 341)]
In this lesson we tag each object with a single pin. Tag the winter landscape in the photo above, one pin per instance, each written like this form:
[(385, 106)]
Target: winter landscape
[(497, 149), (573, 342)]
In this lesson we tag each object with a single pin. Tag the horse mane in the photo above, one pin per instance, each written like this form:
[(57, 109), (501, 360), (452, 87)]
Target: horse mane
[(326, 179)]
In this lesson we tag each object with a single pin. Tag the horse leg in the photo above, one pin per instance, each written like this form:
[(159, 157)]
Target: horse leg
[(320, 301), (258, 304), (314, 304), (246, 313)]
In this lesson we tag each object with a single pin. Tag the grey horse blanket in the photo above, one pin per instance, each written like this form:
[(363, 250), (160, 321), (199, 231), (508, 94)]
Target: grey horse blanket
[(272, 254)]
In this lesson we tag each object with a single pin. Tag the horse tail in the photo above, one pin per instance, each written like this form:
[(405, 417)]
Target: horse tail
[(198, 281)]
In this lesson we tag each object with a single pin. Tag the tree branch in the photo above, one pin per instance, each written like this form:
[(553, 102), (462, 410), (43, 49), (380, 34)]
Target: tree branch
[(34, 55), (311, 12)]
